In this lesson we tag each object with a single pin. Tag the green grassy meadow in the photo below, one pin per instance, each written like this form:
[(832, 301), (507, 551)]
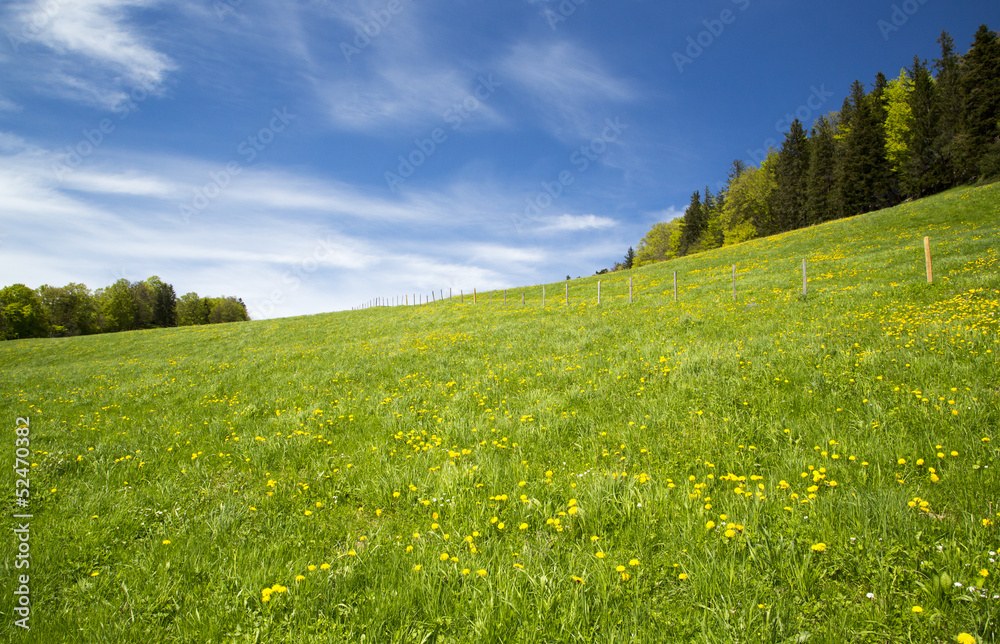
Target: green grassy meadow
[(774, 468)]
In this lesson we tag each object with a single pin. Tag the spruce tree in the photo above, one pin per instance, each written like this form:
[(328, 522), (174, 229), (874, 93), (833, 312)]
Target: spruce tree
[(922, 169), (981, 98), (821, 182), (692, 225), (792, 178), (865, 184), (712, 235), (948, 97)]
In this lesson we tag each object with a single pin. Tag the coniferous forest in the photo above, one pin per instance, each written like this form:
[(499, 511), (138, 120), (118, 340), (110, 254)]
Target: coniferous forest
[(931, 127)]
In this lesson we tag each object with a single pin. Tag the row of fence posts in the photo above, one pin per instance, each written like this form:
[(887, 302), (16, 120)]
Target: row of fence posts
[(423, 299)]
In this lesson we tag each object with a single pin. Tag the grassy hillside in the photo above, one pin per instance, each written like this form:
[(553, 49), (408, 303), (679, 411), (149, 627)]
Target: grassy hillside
[(773, 468)]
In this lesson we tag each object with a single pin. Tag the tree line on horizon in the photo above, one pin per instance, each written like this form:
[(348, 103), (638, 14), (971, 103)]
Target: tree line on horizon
[(61, 311), (929, 129)]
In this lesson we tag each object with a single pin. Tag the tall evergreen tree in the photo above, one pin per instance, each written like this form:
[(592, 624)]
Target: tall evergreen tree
[(791, 175), (736, 168), (712, 236), (821, 182), (981, 98), (865, 183), (948, 95), (922, 170), (692, 224)]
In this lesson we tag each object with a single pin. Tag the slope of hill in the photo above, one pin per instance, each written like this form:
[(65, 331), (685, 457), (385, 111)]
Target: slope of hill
[(770, 467)]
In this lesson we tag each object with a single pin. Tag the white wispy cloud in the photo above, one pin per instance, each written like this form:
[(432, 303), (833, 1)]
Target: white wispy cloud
[(96, 54), (570, 89), (7, 105), (570, 223)]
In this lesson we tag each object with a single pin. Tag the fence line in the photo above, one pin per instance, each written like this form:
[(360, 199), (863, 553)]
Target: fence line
[(422, 299)]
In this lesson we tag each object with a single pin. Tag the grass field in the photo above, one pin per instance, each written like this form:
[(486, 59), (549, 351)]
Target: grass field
[(774, 468)]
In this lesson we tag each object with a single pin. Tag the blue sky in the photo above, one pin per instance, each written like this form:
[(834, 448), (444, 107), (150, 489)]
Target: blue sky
[(308, 156)]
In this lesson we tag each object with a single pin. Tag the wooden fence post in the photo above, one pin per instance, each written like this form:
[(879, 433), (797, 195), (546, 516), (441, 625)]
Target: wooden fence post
[(473, 296), (927, 256)]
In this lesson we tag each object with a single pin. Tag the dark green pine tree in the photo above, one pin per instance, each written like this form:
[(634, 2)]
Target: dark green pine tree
[(736, 170), (865, 184), (922, 173), (948, 95), (892, 189), (981, 104), (713, 234), (791, 177), (692, 225), (821, 182), (629, 259)]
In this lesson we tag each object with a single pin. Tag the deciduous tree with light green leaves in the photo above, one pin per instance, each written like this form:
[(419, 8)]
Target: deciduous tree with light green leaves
[(748, 201), (23, 313), (659, 244), (898, 121)]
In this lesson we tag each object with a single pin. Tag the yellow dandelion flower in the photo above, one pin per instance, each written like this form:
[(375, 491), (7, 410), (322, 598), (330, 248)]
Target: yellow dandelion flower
[(600, 555), (819, 547), (682, 576), (417, 567), (984, 573), (633, 562), (620, 568), (917, 609), (299, 577), (523, 526), (325, 566), (166, 542), (710, 525), (481, 572), (444, 556), (965, 638)]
